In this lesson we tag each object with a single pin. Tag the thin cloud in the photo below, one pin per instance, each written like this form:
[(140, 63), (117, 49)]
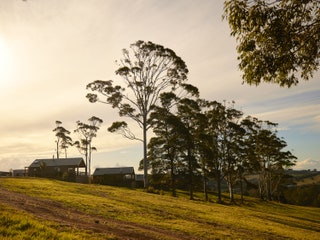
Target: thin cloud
[(307, 164)]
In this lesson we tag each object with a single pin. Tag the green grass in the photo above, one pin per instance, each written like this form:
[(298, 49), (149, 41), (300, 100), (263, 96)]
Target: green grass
[(16, 224), (200, 220)]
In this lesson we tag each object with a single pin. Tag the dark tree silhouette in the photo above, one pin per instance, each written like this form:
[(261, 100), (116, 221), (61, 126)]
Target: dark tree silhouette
[(147, 70)]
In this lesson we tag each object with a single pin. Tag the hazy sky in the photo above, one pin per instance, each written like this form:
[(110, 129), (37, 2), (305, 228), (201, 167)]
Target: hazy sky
[(51, 49)]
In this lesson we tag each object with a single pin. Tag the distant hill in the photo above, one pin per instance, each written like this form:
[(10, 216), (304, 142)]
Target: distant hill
[(305, 177), (304, 189)]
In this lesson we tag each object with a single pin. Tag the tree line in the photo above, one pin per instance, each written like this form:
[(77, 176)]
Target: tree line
[(201, 140), (193, 138), (274, 45)]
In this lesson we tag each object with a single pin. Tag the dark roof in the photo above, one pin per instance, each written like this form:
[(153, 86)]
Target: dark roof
[(115, 170), (54, 162)]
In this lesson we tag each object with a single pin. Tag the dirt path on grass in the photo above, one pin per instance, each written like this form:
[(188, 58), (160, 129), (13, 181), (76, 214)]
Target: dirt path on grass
[(44, 209)]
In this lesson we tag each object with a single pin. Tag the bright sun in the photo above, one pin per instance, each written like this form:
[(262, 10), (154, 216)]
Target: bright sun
[(6, 63)]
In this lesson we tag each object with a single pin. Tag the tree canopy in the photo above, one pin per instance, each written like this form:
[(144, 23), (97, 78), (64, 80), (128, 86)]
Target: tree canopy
[(200, 139), (193, 138), (278, 40), (63, 139), (147, 70), (86, 132)]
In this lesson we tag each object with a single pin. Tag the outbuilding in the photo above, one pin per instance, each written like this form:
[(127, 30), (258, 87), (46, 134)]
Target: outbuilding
[(62, 168), (116, 176)]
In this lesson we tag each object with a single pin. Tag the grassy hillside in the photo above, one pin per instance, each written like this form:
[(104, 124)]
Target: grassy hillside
[(48, 209), (309, 180)]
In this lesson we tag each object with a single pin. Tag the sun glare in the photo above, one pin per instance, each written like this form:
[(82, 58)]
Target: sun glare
[(6, 63)]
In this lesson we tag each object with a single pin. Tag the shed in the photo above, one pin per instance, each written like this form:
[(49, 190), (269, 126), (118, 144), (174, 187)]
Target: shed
[(19, 172), (116, 176), (4, 174), (62, 168)]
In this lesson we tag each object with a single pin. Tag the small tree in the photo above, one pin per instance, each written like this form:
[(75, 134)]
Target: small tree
[(229, 140), (265, 155), (147, 70), (162, 149), (63, 140), (166, 148), (87, 131), (188, 115), (210, 141)]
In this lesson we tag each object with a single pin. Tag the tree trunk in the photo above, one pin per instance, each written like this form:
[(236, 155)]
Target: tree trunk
[(145, 160), (218, 179), (173, 180), (261, 186), (205, 190), (269, 186), (190, 176), (241, 188), (89, 162), (57, 149), (230, 186), (86, 155)]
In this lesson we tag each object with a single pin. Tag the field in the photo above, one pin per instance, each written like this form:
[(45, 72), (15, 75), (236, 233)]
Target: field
[(48, 209)]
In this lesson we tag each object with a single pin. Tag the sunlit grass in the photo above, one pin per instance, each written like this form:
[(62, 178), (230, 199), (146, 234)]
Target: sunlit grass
[(198, 219), (16, 224)]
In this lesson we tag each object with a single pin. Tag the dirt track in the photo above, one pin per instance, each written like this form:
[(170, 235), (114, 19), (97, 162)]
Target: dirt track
[(44, 209)]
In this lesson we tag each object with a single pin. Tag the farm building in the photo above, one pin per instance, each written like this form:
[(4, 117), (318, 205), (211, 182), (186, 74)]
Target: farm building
[(4, 174), (19, 172), (62, 168), (118, 176)]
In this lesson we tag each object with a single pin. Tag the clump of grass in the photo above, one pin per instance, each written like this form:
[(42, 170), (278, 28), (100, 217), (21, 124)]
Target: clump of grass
[(18, 226)]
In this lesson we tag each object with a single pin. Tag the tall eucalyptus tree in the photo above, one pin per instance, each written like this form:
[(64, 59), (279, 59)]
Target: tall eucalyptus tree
[(210, 162), (231, 142), (63, 139), (147, 70), (86, 132)]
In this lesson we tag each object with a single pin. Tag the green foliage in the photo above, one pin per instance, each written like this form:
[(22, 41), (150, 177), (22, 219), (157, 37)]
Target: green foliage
[(278, 41), (16, 224), (207, 139)]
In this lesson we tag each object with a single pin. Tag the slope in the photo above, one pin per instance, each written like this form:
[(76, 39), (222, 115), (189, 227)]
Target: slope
[(75, 211)]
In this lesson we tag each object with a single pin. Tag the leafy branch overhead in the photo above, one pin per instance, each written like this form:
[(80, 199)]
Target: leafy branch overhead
[(278, 41)]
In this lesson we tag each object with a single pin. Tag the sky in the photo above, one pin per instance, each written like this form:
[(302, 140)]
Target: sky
[(50, 50)]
